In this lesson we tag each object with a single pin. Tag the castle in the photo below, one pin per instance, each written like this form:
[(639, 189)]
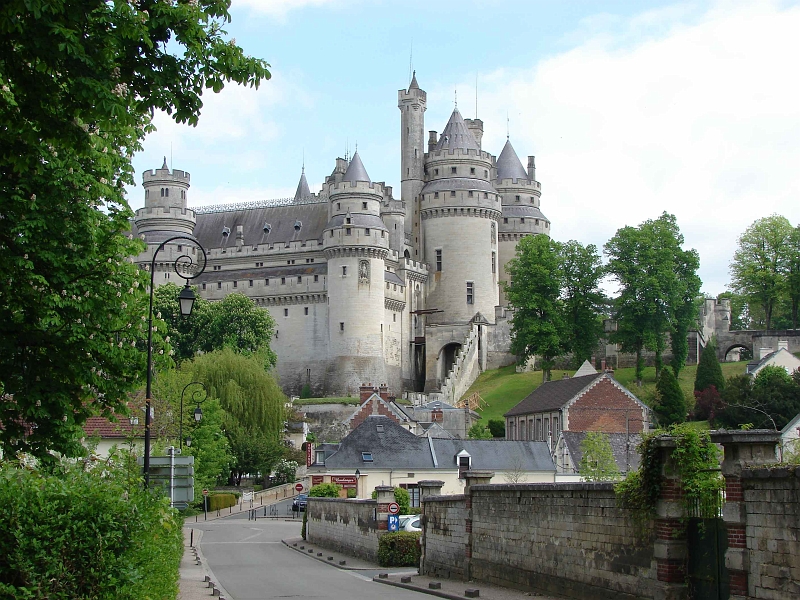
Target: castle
[(365, 287)]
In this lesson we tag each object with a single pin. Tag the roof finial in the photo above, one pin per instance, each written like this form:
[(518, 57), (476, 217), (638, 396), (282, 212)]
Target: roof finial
[(455, 92), (304, 162), (164, 166), (508, 127), (411, 61), (476, 94)]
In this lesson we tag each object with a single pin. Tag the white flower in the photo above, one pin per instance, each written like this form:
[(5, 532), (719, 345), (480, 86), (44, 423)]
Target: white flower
[(64, 418), (25, 257), (91, 336), (119, 345), (166, 339), (133, 344), (161, 351), (124, 305), (103, 180), (119, 294), (33, 196), (158, 315), (136, 284)]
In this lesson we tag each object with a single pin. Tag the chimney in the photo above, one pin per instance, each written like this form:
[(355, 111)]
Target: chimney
[(239, 236), (783, 344), (365, 391), (762, 352), (476, 128), (383, 392), (603, 365), (532, 168), (433, 139)]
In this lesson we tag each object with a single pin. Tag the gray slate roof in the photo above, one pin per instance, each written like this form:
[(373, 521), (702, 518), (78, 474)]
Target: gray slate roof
[(414, 85), (302, 187), (356, 171), (398, 448), (393, 278), (623, 447), (456, 134), (552, 395), (509, 165), (522, 210)]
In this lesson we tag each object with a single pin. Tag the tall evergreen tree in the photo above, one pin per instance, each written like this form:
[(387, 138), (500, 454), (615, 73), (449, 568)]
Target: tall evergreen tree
[(671, 403), (709, 371)]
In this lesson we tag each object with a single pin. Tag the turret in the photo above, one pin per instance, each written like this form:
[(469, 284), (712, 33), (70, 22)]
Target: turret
[(412, 104), (165, 199)]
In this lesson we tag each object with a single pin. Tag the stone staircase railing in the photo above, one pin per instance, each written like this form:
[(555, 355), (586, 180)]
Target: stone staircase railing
[(465, 369)]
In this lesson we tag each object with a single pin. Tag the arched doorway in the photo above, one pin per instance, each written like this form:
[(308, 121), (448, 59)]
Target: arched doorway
[(737, 352), (447, 357)]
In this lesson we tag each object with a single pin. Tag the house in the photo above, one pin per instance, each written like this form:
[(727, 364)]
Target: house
[(295, 433), (789, 445), (380, 451), (778, 358), (567, 452), (584, 402), (107, 433)]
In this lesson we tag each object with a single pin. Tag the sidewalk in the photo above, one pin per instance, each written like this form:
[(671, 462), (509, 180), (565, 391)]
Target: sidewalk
[(195, 582), (407, 577)]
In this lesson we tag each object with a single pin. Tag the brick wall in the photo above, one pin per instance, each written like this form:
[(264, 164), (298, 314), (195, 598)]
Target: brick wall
[(604, 408), (348, 526), (567, 539), (375, 407), (444, 542), (772, 504)]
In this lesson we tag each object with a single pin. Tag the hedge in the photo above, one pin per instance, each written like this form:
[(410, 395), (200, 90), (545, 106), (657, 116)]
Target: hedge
[(399, 549), (220, 501), (78, 533)]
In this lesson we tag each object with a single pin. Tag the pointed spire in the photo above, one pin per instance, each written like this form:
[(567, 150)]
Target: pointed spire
[(302, 187), (456, 134), (356, 171), (509, 165), (164, 166), (414, 85)]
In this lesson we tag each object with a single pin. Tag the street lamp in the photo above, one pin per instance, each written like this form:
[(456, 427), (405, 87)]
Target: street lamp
[(186, 300), (358, 476), (198, 397)]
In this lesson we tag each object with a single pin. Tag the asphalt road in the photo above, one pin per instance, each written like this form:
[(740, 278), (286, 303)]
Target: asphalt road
[(250, 561)]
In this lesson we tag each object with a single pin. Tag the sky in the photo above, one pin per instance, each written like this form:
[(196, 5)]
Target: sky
[(631, 108)]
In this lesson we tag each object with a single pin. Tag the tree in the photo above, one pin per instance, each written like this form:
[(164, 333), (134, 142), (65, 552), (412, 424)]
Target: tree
[(479, 431), (670, 401), (79, 82), (537, 327), (497, 427), (581, 271), (597, 458), (760, 264), (793, 275), (709, 371), (253, 452), (707, 404), (658, 286)]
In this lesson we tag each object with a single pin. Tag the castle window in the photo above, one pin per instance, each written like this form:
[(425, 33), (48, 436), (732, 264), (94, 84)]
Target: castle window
[(341, 326), (485, 195), (299, 279), (285, 312), (436, 171), (348, 231), (344, 271), (364, 205), (166, 192), (505, 220), (472, 170), (366, 231), (522, 220), (439, 259), (387, 285), (235, 284), (316, 278), (383, 233), (276, 334), (219, 285), (283, 280), (146, 194), (394, 287), (331, 232), (347, 220), (494, 263), (546, 224), (435, 194), (516, 198), (251, 283), (306, 310), (452, 194), (204, 286), (470, 293), (470, 194), (485, 173), (537, 221), (394, 317), (180, 248), (162, 192), (266, 282), (453, 170)]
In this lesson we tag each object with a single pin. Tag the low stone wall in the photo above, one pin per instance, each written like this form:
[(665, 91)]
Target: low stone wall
[(772, 504), (348, 526), (568, 539), (445, 536)]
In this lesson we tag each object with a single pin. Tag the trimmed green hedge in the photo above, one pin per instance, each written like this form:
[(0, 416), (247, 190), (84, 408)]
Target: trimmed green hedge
[(399, 549), (220, 501), (86, 534)]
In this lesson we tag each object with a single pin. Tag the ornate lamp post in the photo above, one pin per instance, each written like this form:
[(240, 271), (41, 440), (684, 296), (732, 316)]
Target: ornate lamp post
[(358, 478), (186, 300), (198, 397)]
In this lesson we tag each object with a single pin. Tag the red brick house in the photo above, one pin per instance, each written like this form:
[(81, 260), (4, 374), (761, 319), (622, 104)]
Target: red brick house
[(594, 402)]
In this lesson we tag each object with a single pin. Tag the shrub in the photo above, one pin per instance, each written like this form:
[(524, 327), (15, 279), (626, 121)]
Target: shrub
[(325, 490), (399, 549), (709, 371), (220, 501), (351, 492), (401, 497), (305, 392), (671, 404), (77, 533), (497, 427)]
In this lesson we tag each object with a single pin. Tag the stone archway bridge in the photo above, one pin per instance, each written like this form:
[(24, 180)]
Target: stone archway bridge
[(752, 340)]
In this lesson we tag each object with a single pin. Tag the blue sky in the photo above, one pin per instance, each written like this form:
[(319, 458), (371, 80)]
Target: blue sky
[(631, 108)]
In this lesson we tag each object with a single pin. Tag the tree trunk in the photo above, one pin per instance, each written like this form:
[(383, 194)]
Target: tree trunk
[(639, 365)]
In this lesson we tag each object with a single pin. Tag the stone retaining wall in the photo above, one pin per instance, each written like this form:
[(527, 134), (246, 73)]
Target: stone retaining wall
[(348, 526), (445, 536)]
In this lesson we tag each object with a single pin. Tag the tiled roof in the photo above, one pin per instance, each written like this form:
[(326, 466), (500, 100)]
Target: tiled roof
[(553, 395), (356, 171), (623, 446), (456, 134), (100, 426)]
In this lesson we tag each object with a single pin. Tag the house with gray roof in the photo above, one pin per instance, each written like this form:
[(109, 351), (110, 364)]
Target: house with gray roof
[(568, 452), (777, 358)]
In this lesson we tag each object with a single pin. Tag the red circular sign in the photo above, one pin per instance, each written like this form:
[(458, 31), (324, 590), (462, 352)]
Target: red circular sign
[(205, 492), (394, 508), (298, 487)]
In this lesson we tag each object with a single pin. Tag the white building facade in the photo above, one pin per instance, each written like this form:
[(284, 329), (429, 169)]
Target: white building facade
[(363, 286)]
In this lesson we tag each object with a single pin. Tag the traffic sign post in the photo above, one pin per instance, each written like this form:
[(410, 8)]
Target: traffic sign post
[(298, 487), (393, 524), (394, 508)]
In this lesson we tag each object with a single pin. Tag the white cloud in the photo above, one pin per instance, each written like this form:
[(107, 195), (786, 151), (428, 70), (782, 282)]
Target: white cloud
[(698, 115), (280, 8)]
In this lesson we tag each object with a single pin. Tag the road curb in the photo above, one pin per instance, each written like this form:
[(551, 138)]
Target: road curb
[(294, 544), (414, 588)]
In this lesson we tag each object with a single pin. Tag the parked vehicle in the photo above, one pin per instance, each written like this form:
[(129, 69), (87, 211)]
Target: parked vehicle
[(299, 503), (412, 524)]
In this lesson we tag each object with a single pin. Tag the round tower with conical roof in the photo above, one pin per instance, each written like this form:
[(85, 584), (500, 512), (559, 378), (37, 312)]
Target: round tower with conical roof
[(459, 212), (356, 244), (522, 215)]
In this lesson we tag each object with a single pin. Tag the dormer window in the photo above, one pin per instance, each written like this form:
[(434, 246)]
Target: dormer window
[(297, 225), (464, 463), (267, 228), (366, 456), (347, 220), (226, 231)]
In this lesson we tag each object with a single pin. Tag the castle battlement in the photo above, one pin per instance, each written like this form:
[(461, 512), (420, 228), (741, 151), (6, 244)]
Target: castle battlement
[(164, 176), (520, 183), (413, 96), (160, 211), (452, 153), (356, 187)]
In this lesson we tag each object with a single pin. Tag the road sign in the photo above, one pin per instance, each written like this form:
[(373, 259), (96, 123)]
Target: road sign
[(205, 492), (394, 522), (181, 505), (394, 508), (298, 487)]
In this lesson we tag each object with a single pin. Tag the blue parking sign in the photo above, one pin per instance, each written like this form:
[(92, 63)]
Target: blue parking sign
[(394, 523)]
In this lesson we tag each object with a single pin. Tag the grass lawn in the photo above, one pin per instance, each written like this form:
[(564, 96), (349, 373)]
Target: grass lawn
[(504, 388)]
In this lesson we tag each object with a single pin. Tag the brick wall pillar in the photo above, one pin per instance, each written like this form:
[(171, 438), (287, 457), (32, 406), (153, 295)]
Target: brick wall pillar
[(384, 497), (670, 548), (471, 478), (742, 449)]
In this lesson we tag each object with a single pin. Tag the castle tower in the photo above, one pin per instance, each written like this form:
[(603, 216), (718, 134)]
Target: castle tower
[(412, 105), (165, 197), (521, 197), (355, 243), (459, 210), (302, 187)]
